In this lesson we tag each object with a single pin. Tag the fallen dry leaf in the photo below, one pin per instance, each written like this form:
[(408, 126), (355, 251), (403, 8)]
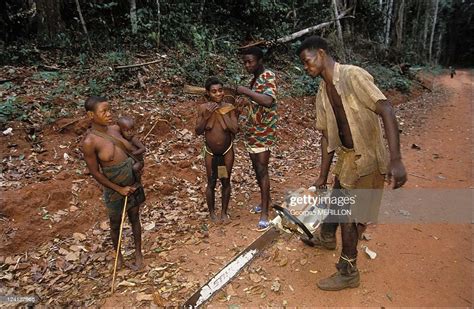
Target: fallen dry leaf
[(73, 256), (104, 225), (126, 283), (79, 236), (150, 226), (158, 300), (283, 261), (230, 290), (144, 297), (255, 278)]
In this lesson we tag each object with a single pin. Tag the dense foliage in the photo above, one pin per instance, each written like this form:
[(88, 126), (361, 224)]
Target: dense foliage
[(201, 37)]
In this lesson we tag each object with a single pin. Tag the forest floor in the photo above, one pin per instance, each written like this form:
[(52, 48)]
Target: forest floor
[(54, 234)]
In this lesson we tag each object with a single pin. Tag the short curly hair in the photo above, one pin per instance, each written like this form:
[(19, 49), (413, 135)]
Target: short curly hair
[(313, 42), (254, 50), (91, 103), (212, 81)]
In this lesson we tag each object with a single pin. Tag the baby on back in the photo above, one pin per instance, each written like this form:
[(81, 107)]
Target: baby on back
[(128, 131)]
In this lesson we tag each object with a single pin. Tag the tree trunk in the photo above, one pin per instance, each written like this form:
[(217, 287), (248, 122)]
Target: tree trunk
[(133, 16), (339, 31), (433, 27), (416, 22), (50, 22), (158, 24), (440, 41), (201, 10), (399, 25), (348, 26), (338, 23), (79, 11), (425, 27), (388, 21)]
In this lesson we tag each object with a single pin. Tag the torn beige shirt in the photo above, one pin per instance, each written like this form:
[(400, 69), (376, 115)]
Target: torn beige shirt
[(359, 96)]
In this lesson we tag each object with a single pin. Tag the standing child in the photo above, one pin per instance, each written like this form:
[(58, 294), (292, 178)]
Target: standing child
[(218, 122), (452, 71)]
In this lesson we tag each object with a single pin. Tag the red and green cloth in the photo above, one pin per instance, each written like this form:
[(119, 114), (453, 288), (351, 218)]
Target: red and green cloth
[(261, 123)]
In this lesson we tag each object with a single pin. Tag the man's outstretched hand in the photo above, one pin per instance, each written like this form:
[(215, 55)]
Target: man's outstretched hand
[(398, 173), (320, 183)]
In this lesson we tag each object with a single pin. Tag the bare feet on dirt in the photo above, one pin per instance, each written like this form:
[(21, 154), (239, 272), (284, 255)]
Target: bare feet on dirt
[(225, 218), (213, 217), (139, 262)]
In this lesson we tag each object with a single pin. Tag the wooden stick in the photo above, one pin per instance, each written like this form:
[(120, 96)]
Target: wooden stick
[(194, 89), (291, 37), (261, 42), (415, 175), (2, 81), (136, 65), (119, 243), (300, 33), (60, 129), (154, 125)]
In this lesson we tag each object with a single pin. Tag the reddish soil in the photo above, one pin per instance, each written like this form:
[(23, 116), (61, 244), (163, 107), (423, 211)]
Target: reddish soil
[(417, 265)]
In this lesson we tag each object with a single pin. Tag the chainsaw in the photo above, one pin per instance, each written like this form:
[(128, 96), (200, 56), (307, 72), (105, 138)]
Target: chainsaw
[(301, 213)]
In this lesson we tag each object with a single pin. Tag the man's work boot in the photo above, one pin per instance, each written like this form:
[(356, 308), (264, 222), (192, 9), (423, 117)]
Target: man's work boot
[(326, 239), (347, 276), (323, 240)]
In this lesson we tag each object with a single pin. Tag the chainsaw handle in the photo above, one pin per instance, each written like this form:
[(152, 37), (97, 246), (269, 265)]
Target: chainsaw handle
[(293, 219)]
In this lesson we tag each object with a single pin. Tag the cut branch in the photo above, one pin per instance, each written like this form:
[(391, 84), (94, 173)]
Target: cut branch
[(154, 125), (194, 90), (61, 128), (300, 33), (135, 65), (2, 81)]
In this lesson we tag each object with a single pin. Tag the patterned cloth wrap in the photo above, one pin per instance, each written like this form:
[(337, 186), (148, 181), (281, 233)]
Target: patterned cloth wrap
[(122, 174), (261, 122)]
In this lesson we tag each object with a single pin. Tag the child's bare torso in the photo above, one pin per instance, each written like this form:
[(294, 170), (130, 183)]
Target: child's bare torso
[(218, 137)]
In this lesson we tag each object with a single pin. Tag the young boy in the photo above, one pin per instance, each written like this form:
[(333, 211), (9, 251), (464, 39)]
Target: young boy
[(127, 129), (105, 153), (218, 122)]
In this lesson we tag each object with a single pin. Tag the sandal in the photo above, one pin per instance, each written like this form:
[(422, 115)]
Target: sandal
[(263, 225), (256, 210)]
